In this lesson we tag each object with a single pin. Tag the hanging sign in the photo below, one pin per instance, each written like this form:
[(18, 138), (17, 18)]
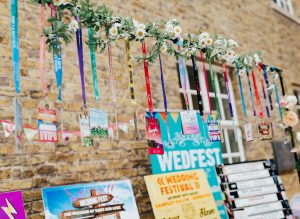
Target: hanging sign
[(8, 128), (248, 132), (98, 123), (85, 131), (265, 130), (47, 125), (189, 122), (12, 205), (101, 200), (214, 132), (184, 195), (153, 135)]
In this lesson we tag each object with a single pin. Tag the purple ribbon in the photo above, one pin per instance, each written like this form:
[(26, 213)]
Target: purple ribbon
[(163, 85), (80, 60)]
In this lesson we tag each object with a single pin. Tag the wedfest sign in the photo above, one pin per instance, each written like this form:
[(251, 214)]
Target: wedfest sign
[(181, 195), (188, 152), (103, 200)]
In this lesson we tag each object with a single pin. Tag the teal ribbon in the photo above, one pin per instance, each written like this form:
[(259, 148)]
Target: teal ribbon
[(93, 63), (15, 43)]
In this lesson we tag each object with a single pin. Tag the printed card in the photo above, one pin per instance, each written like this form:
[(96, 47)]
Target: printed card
[(153, 135), (98, 123), (265, 130), (47, 125), (85, 131), (248, 132), (189, 122), (214, 132)]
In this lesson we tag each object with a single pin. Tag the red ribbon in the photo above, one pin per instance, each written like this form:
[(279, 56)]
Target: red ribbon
[(260, 111), (147, 79)]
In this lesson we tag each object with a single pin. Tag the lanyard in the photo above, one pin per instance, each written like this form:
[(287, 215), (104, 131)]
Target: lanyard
[(147, 79), (196, 76), (268, 84), (260, 111), (241, 91), (131, 87), (227, 89), (183, 80), (250, 89), (93, 64), (212, 76), (15, 43), (264, 92), (80, 60), (277, 100), (42, 54), (206, 81)]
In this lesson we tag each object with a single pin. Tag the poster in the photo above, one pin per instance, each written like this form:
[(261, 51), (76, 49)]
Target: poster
[(102, 200), (12, 205), (153, 135), (214, 132), (47, 125), (265, 130), (99, 123), (189, 122), (184, 195), (187, 152), (85, 131)]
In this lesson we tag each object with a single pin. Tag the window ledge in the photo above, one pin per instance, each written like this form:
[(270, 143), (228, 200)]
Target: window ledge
[(286, 14)]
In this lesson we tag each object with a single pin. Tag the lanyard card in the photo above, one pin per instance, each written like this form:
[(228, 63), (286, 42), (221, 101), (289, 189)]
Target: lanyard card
[(153, 136), (248, 132), (85, 131), (265, 130), (189, 122), (47, 125), (214, 132)]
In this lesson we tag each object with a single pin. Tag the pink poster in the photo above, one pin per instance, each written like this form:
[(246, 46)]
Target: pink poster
[(11, 205), (153, 135)]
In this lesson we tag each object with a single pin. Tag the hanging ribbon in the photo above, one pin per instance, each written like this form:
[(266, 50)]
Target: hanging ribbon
[(260, 111), (250, 89), (281, 84), (113, 88), (131, 87), (241, 91), (147, 79), (80, 60), (183, 80), (227, 89), (93, 63), (196, 76), (15, 43), (264, 92), (18, 122), (42, 54), (212, 75), (57, 60), (267, 83), (206, 81)]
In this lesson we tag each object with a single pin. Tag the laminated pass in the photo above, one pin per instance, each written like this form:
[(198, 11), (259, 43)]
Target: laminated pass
[(256, 200), (265, 208), (247, 175), (285, 214), (244, 193), (275, 180), (244, 167)]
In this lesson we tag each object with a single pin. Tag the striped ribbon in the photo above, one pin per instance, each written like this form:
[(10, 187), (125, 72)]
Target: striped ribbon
[(241, 91), (227, 89), (258, 103), (267, 83), (264, 92), (250, 89), (196, 76), (206, 81)]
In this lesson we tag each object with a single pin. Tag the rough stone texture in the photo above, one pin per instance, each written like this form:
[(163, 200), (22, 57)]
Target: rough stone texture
[(254, 24)]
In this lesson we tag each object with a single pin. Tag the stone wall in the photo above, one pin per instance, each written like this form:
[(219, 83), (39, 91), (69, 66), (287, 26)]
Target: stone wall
[(254, 24)]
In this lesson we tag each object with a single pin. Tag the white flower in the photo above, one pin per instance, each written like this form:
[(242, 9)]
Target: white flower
[(73, 26), (232, 43), (230, 56), (58, 2), (135, 23), (141, 26), (290, 119), (208, 41), (177, 30), (291, 100), (163, 48), (202, 43), (218, 42), (140, 34), (113, 31), (256, 58), (203, 36)]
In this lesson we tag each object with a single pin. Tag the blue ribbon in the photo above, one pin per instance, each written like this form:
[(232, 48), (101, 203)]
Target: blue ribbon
[(15, 43), (58, 71), (241, 91), (267, 83)]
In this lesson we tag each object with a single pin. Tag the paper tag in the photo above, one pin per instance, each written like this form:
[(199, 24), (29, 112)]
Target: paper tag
[(153, 136), (47, 125), (85, 131), (265, 130), (214, 132), (98, 123), (189, 122), (248, 132)]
